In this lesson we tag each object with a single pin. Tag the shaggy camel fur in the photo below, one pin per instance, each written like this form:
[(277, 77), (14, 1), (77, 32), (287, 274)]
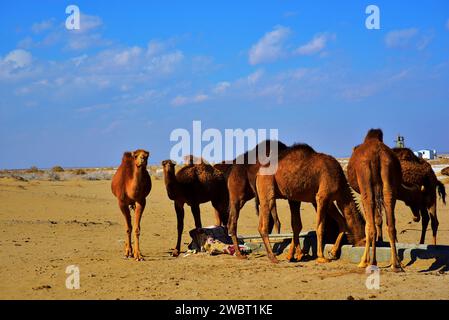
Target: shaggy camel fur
[(378, 176), (304, 175), (419, 172), (131, 185), (194, 184)]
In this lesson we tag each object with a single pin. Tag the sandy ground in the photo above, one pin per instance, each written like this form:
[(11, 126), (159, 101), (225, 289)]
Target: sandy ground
[(47, 226)]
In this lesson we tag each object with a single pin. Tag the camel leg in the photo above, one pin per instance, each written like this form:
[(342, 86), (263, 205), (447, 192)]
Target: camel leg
[(378, 221), (296, 222), (367, 197), (364, 261), (322, 206), (234, 212), (265, 190), (416, 214), (221, 213), (424, 223), (180, 224), (390, 203), (196, 215), (263, 229), (333, 213), (140, 206), (274, 221), (434, 222), (128, 226)]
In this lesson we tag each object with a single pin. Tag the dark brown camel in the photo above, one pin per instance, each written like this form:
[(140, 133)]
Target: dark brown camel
[(419, 172), (241, 183), (445, 171), (304, 175), (131, 185), (375, 171), (194, 184)]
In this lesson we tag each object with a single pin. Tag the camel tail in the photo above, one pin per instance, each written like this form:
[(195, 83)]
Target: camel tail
[(441, 191)]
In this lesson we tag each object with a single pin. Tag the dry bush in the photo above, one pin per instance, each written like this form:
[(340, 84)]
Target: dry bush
[(57, 169), (33, 169), (79, 172)]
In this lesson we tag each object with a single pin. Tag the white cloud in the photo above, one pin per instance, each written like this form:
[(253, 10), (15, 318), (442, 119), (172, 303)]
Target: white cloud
[(317, 44), (183, 100), (400, 38), (200, 98), (166, 63), (18, 58), (254, 77), (126, 56), (42, 26), (221, 87), (88, 23), (270, 47)]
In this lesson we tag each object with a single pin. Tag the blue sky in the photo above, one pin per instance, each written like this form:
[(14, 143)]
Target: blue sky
[(137, 70)]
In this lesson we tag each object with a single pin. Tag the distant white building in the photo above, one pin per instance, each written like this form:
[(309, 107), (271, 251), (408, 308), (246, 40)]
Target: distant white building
[(426, 154)]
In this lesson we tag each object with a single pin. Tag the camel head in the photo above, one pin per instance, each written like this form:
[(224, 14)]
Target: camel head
[(140, 158), (168, 165)]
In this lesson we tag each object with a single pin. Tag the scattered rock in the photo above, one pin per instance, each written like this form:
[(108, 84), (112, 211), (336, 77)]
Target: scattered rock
[(46, 286), (350, 298)]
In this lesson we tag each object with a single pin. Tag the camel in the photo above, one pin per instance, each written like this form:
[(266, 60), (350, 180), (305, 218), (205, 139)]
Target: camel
[(193, 184), (445, 171), (303, 175), (241, 183), (375, 172), (131, 185), (419, 172)]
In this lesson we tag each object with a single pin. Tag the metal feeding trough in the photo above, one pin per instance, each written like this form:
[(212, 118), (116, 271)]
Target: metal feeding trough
[(407, 252)]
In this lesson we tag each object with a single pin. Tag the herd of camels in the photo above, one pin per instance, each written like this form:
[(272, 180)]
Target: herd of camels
[(379, 174)]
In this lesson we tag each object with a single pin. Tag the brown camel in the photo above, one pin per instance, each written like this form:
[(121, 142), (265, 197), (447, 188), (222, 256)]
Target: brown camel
[(131, 185), (375, 171), (419, 172), (304, 175), (241, 183), (193, 184), (445, 171)]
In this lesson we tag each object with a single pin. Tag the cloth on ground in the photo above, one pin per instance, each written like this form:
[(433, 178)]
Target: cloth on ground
[(214, 240)]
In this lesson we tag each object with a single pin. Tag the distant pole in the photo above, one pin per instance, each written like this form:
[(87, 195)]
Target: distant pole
[(400, 142)]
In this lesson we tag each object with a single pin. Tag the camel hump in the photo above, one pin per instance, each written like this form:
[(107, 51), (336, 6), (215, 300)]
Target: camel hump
[(375, 134), (127, 155)]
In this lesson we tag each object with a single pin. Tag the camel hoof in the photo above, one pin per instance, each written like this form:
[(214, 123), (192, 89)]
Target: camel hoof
[(332, 256), (175, 253), (396, 268), (273, 259), (362, 265), (322, 260)]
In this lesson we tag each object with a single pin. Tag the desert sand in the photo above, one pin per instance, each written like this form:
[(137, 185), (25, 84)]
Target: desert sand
[(49, 225)]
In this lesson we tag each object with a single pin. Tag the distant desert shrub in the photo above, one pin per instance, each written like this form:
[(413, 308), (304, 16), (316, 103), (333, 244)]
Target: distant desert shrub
[(79, 172), (98, 175), (445, 171), (57, 169), (52, 176), (33, 169)]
